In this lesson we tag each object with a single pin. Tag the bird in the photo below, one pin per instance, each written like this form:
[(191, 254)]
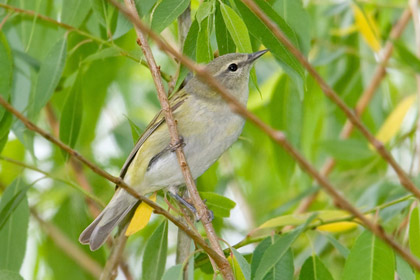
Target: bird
[(208, 127)]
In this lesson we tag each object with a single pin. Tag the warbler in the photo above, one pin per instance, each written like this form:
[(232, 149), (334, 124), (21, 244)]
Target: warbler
[(205, 122)]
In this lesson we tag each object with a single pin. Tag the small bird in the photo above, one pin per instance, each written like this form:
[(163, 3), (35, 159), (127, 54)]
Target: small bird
[(205, 122)]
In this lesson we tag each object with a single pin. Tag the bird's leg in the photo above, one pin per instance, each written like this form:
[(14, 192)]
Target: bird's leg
[(178, 144), (173, 192)]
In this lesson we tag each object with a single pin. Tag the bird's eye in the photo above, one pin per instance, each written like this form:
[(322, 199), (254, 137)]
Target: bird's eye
[(233, 67)]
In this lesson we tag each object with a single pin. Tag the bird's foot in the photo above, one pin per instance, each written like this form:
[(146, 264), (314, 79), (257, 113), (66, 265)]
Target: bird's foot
[(180, 143)]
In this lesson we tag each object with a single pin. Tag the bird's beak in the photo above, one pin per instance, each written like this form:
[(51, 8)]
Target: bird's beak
[(253, 56)]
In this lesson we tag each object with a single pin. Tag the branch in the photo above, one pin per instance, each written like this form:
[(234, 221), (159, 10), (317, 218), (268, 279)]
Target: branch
[(116, 180), (73, 251), (277, 136), (80, 32), (198, 203), (333, 96), (364, 99)]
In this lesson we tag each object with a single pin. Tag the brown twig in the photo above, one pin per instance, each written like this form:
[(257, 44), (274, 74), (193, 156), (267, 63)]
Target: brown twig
[(364, 99), (198, 203), (63, 242), (277, 136), (110, 270), (116, 180), (333, 96)]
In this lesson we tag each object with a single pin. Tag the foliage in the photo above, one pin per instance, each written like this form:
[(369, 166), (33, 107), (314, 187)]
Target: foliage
[(73, 67)]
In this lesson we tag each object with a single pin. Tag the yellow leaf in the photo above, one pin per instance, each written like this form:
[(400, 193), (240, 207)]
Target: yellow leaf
[(236, 268), (337, 227), (141, 217), (393, 123), (367, 28)]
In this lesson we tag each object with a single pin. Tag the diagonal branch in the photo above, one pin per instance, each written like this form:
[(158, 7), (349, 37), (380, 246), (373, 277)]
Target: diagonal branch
[(364, 99), (116, 180), (333, 96), (277, 136), (198, 203)]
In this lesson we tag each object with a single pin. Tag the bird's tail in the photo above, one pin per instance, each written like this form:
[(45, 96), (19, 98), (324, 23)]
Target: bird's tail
[(98, 231)]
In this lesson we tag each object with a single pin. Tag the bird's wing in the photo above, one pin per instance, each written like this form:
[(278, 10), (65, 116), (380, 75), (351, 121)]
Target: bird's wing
[(157, 121)]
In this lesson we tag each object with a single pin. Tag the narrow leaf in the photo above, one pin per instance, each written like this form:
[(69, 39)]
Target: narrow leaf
[(13, 234), (369, 259), (174, 273), (223, 38), (219, 204), (406, 57), (243, 264), (314, 269), (366, 28), (49, 76), (204, 50), (237, 29), (6, 70), (75, 11), (260, 31), (393, 122), (154, 259), (166, 12), (414, 235), (100, 9), (141, 217), (71, 118), (275, 252)]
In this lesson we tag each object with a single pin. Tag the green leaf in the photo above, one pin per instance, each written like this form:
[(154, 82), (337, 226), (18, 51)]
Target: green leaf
[(237, 29), (223, 38), (349, 150), (10, 275), (49, 76), (71, 118), (13, 234), (406, 57), (190, 46), (204, 50), (243, 264), (5, 124), (414, 235), (260, 31), (75, 11), (100, 9), (144, 6), (204, 10), (6, 71), (277, 250), (404, 270), (283, 269), (166, 12), (369, 259), (135, 130), (298, 19), (219, 204), (340, 247), (314, 269), (174, 273), (154, 259)]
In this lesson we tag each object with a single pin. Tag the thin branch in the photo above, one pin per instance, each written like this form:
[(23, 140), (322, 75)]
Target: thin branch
[(198, 203), (333, 96), (110, 270), (116, 180), (80, 32), (277, 136), (364, 99), (64, 243)]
